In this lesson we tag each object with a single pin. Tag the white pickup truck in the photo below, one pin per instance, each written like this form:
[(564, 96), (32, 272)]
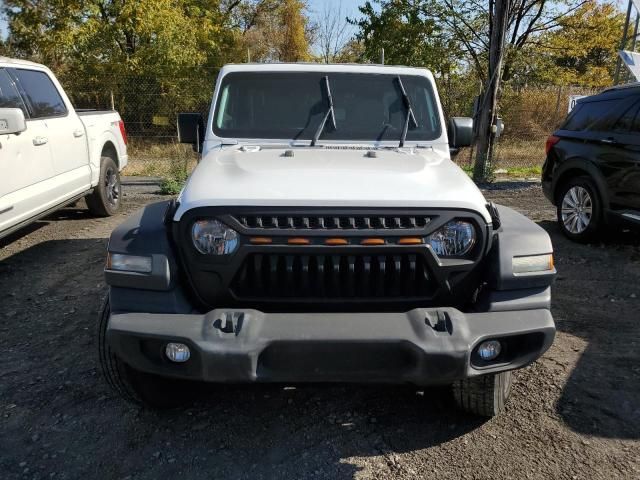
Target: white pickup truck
[(50, 154)]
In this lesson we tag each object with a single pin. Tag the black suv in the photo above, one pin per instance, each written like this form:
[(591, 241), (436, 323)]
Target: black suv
[(592, 170)]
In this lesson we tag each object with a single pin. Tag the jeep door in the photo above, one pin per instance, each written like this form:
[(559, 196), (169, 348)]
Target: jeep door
[(25, 162)]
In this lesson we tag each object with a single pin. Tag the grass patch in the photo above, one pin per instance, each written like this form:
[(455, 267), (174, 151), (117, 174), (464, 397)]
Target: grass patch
[(534, 171), (151, 158)]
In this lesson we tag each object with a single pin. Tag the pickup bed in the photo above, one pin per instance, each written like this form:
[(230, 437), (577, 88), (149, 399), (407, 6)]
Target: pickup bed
[(52, 155)]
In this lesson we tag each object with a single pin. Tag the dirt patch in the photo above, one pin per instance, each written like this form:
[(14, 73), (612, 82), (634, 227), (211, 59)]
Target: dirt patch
[(574, 414)]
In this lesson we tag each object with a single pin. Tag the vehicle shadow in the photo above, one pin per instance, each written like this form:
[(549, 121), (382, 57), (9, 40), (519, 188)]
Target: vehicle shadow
[(23, 232), (75, 212), (78, 211), (52, 388), (597, 298)]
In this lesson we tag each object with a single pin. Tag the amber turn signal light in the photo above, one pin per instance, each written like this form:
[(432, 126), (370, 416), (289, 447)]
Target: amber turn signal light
[(298, 241), (260, 240), (336, 241), (372, 241), (410, 241)]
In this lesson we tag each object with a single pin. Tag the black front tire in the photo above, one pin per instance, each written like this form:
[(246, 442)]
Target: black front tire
[(106, 197), (485, 395), (592, 230), (137, 387)]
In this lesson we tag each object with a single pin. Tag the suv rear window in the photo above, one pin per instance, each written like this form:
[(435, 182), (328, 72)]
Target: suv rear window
[(587, 114), (42, 95)]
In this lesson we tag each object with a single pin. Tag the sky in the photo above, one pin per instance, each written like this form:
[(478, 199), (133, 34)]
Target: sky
[(349, 8), (3, 23)]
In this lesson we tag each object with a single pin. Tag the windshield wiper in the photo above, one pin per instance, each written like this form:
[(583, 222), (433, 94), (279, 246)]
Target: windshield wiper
[(330, 113), (410, 116)]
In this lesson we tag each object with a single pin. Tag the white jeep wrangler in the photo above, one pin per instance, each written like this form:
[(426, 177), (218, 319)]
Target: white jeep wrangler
[(326, 236)]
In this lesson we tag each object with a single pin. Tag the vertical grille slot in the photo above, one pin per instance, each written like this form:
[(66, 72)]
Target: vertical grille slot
[(275, 276)]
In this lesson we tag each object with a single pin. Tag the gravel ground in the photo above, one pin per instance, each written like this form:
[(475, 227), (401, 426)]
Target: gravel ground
[(574, 414)]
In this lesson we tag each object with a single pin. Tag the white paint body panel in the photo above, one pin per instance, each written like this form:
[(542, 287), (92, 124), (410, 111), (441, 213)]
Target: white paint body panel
[(54, 159), (331, 178), (421, 175)]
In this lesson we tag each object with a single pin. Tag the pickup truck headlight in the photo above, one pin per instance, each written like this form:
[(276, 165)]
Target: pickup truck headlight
[(212, 237), (454, 239)]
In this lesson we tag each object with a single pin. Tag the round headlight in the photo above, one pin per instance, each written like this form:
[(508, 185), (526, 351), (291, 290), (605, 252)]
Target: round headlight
[(213, 237), (453, 239)]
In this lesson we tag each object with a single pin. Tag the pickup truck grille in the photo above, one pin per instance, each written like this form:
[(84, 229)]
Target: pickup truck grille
[(266, 276), (322, 222)]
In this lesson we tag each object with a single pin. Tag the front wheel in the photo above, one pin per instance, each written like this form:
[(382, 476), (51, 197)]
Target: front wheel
[(132, 385), (106, 197), (485, 395)]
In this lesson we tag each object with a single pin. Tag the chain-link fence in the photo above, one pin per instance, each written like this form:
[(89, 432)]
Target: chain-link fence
[(529, 115), (149, 106)]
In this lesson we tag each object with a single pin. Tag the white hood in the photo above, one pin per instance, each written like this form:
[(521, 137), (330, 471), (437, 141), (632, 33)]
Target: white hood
[(330, 178)]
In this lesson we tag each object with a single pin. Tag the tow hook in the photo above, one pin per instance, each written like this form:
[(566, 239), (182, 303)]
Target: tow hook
[(440, 321), (229, 322)]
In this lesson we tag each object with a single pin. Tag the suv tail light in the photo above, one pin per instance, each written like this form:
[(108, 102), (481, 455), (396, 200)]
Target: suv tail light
[(551, 141), (123, 132)]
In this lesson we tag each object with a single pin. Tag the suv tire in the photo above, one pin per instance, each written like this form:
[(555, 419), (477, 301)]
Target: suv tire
[(137, 387), (106, 197), (579, 209), (485, 395)]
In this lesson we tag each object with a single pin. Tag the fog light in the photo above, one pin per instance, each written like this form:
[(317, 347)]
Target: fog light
[(177, 352), (489, 350)]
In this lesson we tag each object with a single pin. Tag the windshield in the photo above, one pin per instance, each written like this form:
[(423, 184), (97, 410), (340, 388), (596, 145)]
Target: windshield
[(292, 105)]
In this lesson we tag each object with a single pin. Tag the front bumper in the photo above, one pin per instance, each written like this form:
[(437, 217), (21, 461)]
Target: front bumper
[(422, 346)]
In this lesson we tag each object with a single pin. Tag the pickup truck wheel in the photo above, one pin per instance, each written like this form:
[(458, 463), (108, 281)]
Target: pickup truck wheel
[(579, 209), (104, 201), (137, 387), (485, 395)]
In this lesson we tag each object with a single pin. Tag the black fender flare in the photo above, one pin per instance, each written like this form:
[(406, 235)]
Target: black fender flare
[(145, 233)]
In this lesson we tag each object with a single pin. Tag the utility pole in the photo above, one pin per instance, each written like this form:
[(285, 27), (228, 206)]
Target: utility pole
[(487, 112)]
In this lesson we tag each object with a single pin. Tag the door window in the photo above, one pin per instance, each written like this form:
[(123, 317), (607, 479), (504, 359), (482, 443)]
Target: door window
[(591, 115), (626, 121), (43, 97), (635, 125), (9, 96)]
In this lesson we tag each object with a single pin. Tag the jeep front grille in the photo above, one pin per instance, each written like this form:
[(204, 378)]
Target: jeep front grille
[(273, 276), (318, 222)]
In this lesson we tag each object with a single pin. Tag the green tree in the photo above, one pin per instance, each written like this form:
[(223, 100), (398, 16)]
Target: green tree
[(409, 32), (583, 49)]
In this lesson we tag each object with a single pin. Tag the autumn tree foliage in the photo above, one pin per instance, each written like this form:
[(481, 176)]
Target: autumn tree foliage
[(570, 41), (583, 49)]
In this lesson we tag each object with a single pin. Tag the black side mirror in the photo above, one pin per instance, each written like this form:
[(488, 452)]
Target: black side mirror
[(460, 132), (191, 129)]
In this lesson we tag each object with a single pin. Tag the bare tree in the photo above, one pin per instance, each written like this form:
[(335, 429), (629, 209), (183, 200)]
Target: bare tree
[(332, 31)]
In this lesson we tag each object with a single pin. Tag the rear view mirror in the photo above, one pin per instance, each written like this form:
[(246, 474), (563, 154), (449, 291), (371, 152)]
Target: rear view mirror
[(191, 129), (460, 132), (12, 121)]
